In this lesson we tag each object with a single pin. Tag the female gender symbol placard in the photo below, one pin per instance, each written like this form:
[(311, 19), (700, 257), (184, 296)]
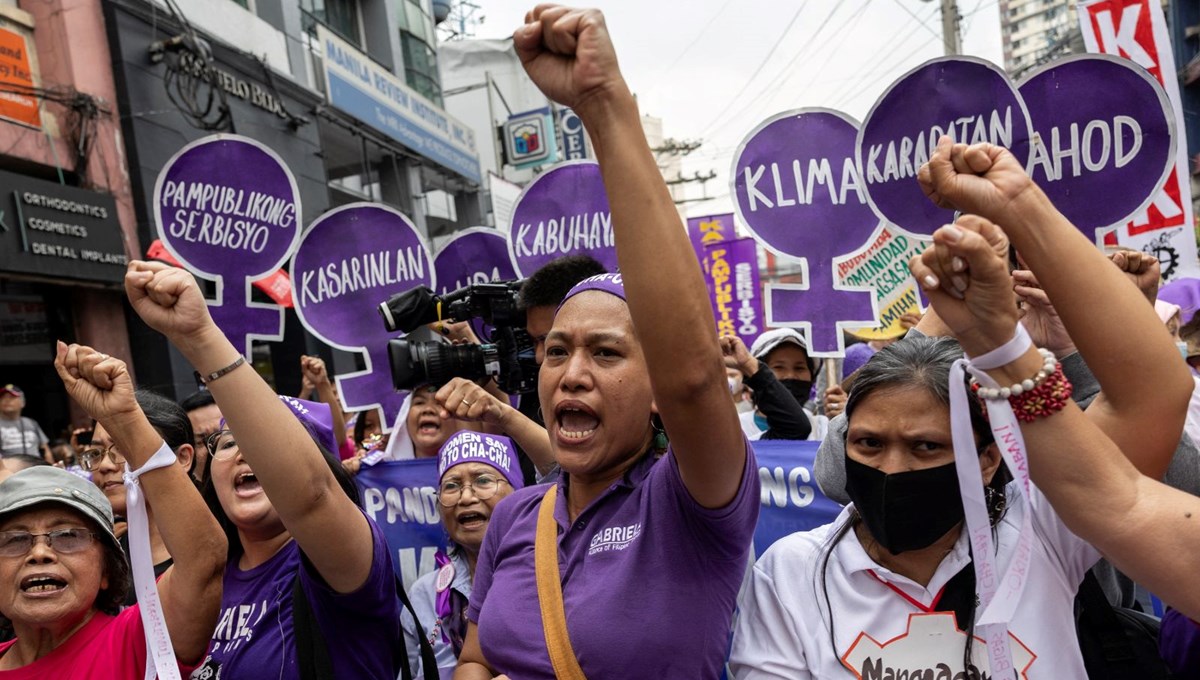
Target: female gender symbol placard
[(562, 212), (1105, 138), (228, 209), (796, 186), (350, 260), (969, 99), (475, 255)]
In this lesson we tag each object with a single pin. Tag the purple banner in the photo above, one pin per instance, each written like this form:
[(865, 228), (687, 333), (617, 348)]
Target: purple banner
[(709, 229), (1105, 138), (968, 99), (350, 260), (562, 212), (731, 271), (228, 209), (796, 187), (475, 255)]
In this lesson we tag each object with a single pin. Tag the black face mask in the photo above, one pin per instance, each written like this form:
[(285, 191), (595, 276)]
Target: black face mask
[(906, 510), (800, 389)]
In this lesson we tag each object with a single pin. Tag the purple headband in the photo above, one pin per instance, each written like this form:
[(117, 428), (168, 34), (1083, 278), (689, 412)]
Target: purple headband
[(610, 283), (495, 450), (316, 417)]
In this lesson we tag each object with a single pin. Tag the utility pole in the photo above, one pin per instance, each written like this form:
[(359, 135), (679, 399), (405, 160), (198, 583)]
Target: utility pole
[(950, 28)]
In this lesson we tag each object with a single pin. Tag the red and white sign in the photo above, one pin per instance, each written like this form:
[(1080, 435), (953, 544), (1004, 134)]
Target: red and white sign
[(1137, 30)]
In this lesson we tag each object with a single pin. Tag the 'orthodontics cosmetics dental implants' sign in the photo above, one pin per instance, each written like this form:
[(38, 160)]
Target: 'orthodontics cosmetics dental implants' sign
[(563, 212), (1104, 138), (228, 209), (350, 260), (968, 99)]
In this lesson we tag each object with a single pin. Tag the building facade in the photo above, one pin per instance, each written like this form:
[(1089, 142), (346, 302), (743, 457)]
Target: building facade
[(67, 218), (346, 92), (1037, 31)]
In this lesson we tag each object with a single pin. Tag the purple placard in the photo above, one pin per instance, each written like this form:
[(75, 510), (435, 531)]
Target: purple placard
[(968, 99), (796, 187), (731, 272), (709, 229), (564, 211), (1104, 140), (228, 209), (350, 260), (475, 255)]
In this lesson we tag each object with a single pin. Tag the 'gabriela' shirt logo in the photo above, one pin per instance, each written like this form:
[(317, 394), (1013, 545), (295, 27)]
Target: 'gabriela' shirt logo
[(615, 538)]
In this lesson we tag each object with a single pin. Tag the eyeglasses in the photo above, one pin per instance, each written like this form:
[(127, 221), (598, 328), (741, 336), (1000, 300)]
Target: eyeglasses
[(221, 445), (90, 459), (484, 487), (62, 541)]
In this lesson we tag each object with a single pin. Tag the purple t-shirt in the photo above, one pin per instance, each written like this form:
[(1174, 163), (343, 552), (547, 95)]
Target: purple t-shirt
[(650, 578), (254, 636)]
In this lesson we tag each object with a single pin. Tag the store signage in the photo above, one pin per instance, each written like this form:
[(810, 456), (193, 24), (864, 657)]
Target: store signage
[(252, 93), (16, 78), (53, 230), (529, 138), (368, 91), (573, 139)]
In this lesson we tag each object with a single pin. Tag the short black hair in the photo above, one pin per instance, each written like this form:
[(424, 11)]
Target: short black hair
[(196, 400), (550, 284), (169, 418)]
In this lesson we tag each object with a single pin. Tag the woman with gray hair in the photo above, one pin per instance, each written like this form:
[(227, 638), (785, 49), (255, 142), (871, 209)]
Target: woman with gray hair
[(63, 575)]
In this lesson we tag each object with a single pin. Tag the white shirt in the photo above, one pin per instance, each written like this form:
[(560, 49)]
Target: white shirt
[(783, 628)]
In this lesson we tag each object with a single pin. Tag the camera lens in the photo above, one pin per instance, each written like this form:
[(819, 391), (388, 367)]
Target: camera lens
[(423, 363)]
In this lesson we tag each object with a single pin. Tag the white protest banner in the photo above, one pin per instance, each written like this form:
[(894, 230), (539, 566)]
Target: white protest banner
[(1137, 30)]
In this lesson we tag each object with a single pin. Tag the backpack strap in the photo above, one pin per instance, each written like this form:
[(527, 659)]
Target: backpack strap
[(312, 654), (1104, 623), (429, 667)]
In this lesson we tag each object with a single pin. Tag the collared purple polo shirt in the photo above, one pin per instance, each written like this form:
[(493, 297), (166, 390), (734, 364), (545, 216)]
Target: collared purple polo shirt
[(650, 578)]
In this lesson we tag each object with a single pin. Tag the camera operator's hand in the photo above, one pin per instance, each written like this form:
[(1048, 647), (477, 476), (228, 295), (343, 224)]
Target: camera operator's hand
[(457, 332), (466, 400)]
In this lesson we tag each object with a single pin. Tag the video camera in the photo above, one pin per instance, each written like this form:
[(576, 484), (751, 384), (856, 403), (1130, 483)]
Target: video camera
[(507, 354)]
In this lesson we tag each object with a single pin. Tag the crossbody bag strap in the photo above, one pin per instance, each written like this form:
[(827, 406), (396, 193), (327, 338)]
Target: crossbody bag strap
[(549, 589)]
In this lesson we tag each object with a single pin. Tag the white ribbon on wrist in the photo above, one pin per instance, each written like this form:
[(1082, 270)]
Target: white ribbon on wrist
[(160, 654), (998, 593)]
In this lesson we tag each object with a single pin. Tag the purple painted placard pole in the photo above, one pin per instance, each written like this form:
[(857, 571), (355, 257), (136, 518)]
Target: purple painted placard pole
[(228, 209), (1105, 138), (564, 211), (796, 187), (350, 260)]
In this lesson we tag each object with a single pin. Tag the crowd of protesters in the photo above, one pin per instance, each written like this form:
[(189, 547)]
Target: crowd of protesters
[(602, 527)]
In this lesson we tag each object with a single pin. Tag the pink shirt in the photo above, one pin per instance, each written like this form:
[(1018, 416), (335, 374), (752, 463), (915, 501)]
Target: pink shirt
[(106, 648)]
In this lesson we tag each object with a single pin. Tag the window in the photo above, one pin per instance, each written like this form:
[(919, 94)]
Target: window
[(341, 16), (420, 67)]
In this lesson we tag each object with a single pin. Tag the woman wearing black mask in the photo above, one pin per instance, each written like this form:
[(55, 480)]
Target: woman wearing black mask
[(779, 373), (890, 588)]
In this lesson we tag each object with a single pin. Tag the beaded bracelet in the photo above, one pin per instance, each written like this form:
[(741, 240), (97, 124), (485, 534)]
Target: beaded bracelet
[(1047, 399), (1049, 364)]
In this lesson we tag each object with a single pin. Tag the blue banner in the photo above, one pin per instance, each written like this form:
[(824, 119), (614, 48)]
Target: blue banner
[(401, 497), (791, 499)]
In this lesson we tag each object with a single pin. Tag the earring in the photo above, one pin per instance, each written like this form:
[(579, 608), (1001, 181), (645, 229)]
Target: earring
[(660, 437)]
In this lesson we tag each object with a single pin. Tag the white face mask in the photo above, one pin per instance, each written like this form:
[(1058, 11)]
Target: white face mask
[(735, 386), (1183, 349)]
